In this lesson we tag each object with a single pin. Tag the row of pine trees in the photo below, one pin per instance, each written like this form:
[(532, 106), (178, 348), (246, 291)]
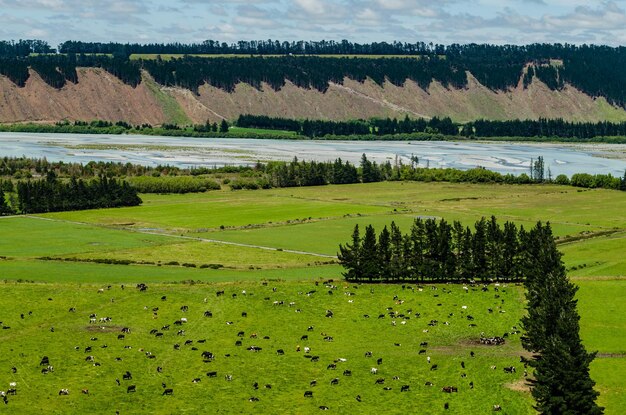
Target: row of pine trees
[(437, 251), (479, 128)]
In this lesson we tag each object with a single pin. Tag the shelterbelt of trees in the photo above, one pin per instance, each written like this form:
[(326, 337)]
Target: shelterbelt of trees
[(479, 129), (595, 70), (437, 251)]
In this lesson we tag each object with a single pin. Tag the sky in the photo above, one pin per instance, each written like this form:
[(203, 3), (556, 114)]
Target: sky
[(440, 21)]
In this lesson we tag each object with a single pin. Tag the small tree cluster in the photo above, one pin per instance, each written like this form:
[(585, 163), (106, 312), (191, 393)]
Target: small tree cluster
[(52, 195)]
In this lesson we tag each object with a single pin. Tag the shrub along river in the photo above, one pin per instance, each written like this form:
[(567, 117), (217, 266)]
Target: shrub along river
[(504, 157)]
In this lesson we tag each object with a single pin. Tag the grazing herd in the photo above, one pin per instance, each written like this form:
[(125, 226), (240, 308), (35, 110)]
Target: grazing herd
[(385, 372)]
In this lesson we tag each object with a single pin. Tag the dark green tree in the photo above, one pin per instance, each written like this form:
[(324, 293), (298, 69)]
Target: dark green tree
[(4, 207), (369, 255), (350, 256), (223, 126), (561, 382)]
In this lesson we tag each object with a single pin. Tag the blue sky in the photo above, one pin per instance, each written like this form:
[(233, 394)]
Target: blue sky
[(442, 21)]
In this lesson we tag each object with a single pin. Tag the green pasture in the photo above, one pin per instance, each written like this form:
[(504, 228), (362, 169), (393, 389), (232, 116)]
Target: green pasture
[(46, 306), (202, 211), (242, 130), (167, 229)]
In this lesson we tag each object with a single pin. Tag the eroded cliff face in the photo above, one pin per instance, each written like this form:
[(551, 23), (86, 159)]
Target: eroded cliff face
[(100, 95)]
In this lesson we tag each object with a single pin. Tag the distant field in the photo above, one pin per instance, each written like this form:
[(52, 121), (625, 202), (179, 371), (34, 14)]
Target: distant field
[(314, 220), (241, 130)]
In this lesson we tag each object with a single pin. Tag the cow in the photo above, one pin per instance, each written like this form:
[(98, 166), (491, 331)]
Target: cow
[(404, 388), (313, 383), (252, 398), (125, 330), (324, 408), (433, 367), (308, 394), (168, 391), (510, 369), (127, 376), (334, 381), (64, 392), (497, 408), (196, 380), (45, 361), (368, 354), (208, 314), (212, 374), (379, 381), (331, 366), (347, 372), (428, 384), (379, 361), (120, 337), (280, 352), (228, 378), (449, 389), (85, 391), (131, 388)]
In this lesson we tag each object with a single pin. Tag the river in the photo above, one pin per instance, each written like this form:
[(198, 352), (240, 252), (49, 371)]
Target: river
[(503, 157)]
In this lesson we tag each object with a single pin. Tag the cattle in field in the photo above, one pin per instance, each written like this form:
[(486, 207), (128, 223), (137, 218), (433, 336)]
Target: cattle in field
[(131, 388), (313, 383), (324, 408), (374, 370), (212, 374), (433, 367), (347, 372), (252, 398), (85, 391), (168, 391), (208, 314), (45, 361), (449, 389), (331, 366), (280, 352), (308, 394), (404, 388), (196, 380), (334, 381), (64, 392), (127, 376), (510, 369), (379, 361), (379, 381)]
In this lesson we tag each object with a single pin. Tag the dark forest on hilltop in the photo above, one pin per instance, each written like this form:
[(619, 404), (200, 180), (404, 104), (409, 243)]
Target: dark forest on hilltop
[(595, 70)]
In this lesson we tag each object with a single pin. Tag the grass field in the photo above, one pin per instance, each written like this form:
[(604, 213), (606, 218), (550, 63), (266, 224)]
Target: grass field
[(29, 339), (272, 223)]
